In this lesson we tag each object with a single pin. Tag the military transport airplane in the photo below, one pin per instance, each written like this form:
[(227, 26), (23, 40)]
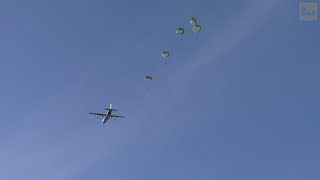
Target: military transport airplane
[(108, 115)]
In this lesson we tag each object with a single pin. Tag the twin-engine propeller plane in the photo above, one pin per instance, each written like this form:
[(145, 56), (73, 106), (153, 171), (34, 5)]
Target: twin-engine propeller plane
[(108, 115)]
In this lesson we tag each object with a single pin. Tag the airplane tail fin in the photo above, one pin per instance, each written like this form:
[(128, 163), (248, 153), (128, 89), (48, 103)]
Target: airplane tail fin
[(110, 108)]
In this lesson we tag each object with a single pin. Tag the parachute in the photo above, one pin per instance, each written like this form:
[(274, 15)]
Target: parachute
[(165, 54), (180, 31), (148, 78), (196, 28), (193, 21)]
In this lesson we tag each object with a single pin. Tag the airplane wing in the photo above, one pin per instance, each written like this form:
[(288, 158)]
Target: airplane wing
[(98, 114), (114, 116)]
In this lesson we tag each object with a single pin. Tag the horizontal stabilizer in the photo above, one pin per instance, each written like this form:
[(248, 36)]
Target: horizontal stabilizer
[(110, 109)]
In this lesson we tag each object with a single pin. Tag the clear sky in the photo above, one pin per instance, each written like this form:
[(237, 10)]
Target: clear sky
[(239, 100)]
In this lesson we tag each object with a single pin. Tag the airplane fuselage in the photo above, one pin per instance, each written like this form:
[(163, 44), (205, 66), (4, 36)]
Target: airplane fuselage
[(107, 117)]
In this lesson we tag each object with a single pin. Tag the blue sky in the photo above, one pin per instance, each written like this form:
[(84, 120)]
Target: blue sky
[(240, 100)]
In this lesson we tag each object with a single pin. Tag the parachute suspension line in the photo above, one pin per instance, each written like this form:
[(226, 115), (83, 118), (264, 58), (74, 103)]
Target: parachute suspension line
[(196, 36), (148, 92)]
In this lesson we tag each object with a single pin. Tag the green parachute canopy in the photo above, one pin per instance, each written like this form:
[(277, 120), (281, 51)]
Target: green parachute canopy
[(193, 21), (196, 28), (165, 54)]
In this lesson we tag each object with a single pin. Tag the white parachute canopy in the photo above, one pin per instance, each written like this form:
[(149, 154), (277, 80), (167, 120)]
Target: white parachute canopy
[(180, 31)]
